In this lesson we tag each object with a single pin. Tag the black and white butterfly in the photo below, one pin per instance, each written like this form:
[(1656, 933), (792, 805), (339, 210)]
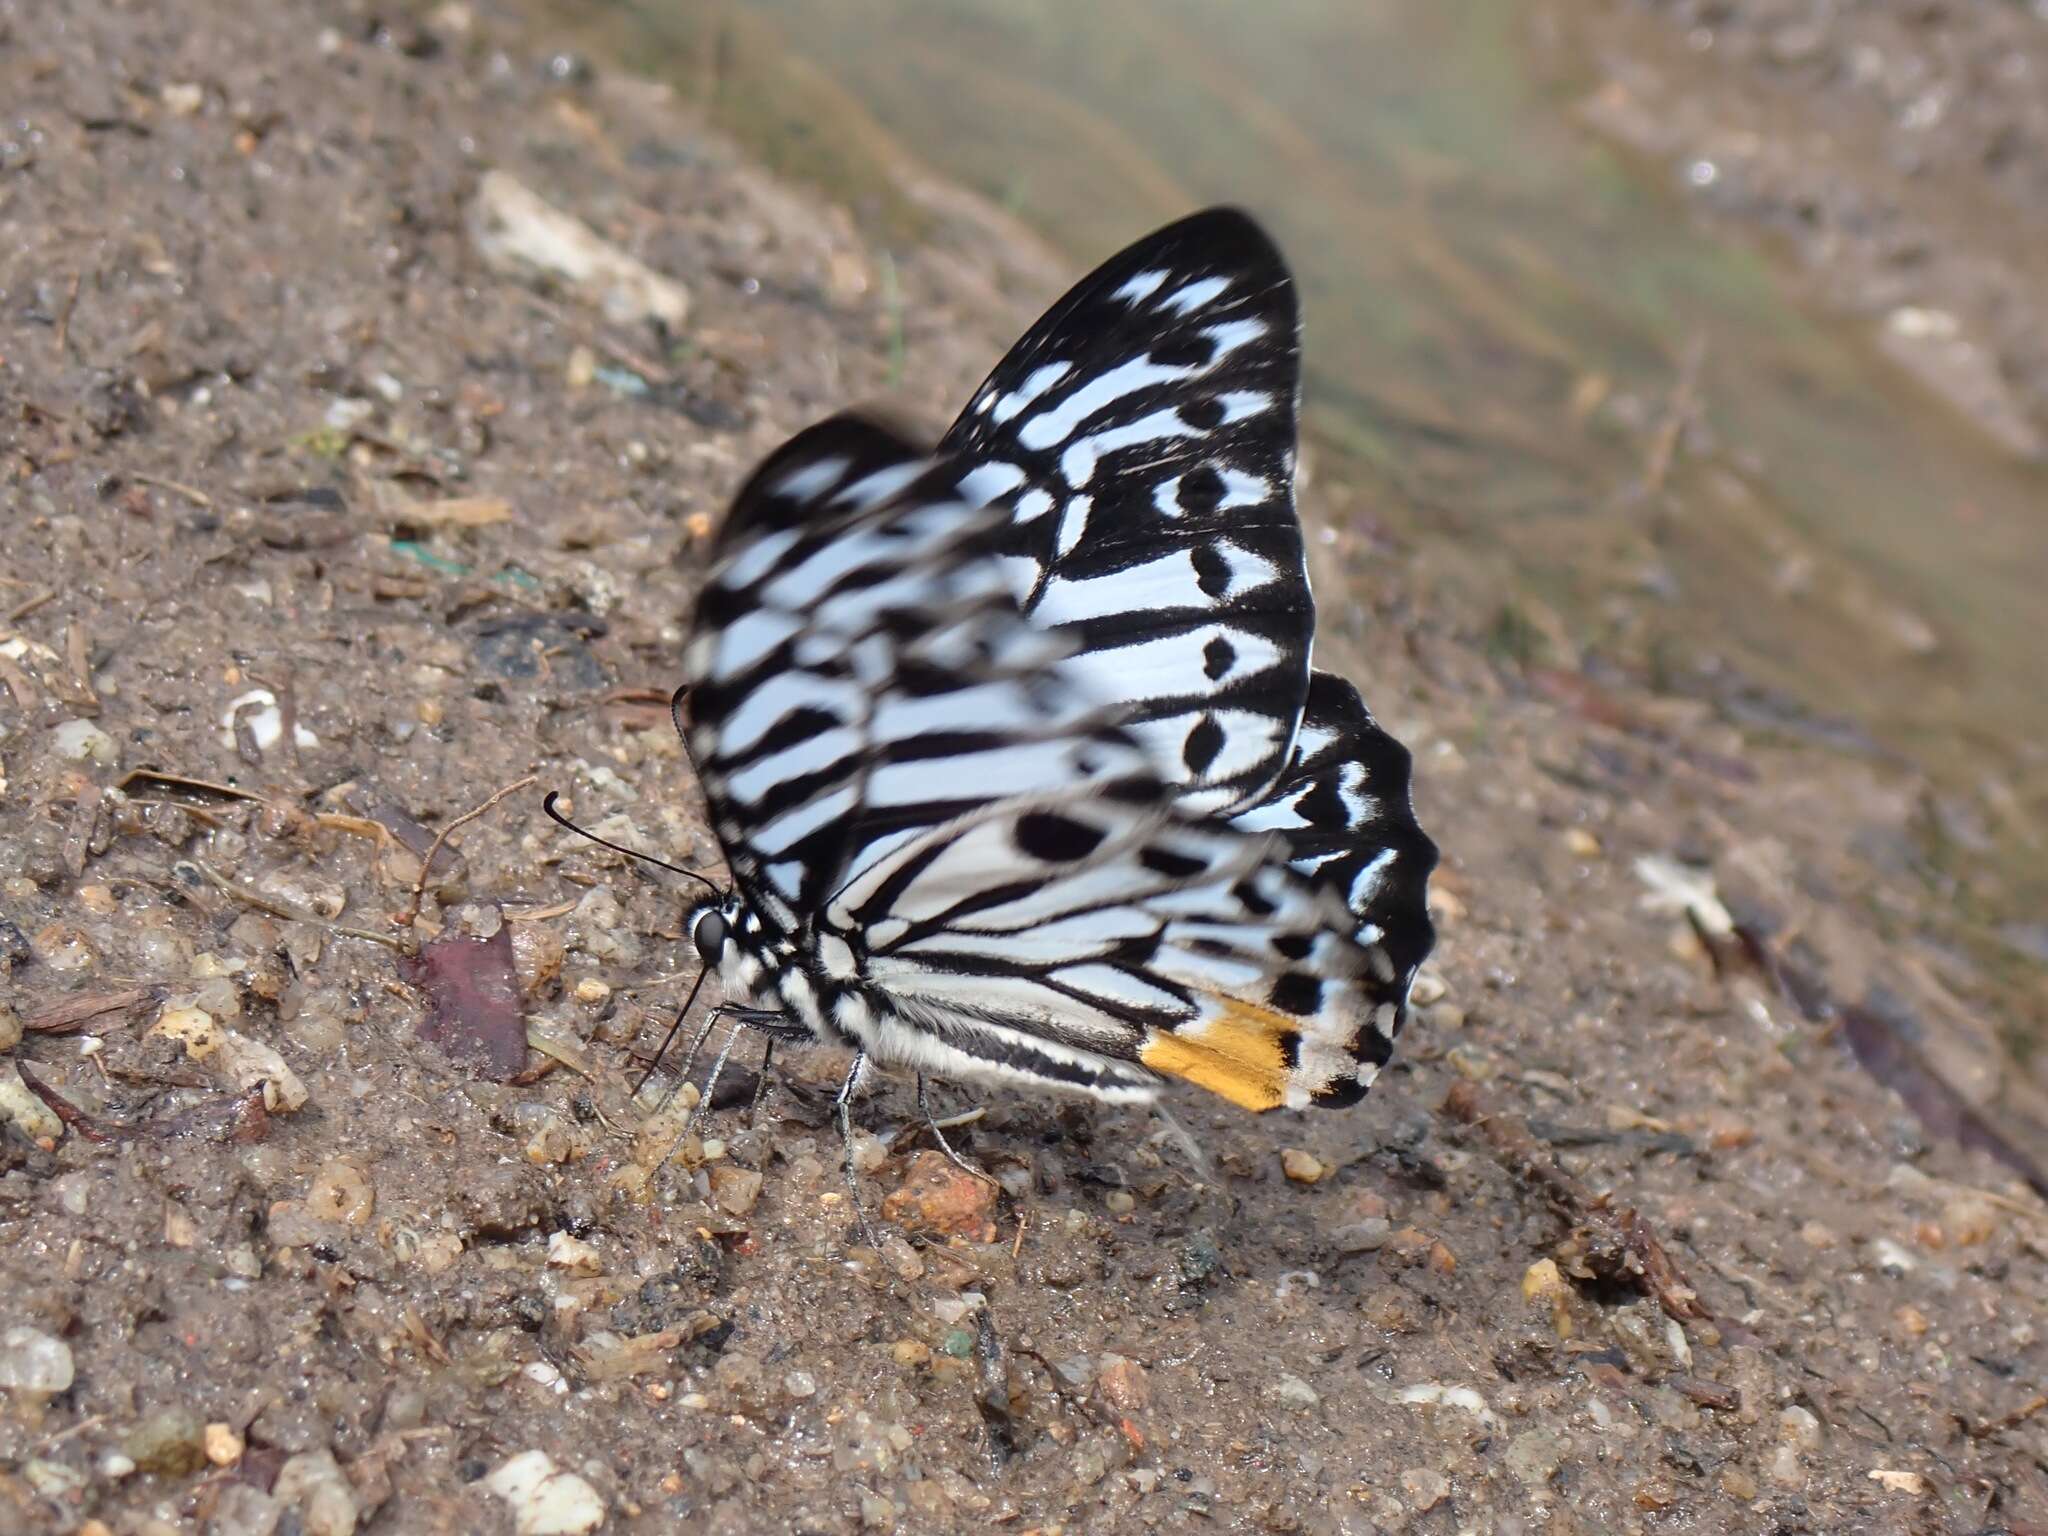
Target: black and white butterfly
[(1014, 748)]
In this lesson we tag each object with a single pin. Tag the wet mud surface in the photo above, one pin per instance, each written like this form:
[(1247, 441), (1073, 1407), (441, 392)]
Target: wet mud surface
[(324, 523)]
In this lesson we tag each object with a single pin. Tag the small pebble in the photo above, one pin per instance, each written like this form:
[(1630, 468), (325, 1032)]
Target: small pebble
[(733, 1190), (1123, 1384), (800, 1384), (937, 1197), (1581, 844), (567, 1251), (910, 1353), (222, 1445), (170, 1441), (1363, 1236), (314, 1483), (1970, 1220), (341, 1192), (1425, 1489), (34, 1361), (1899, 1482), (10, 1028), (958, 1343), (591, 990), (546, 1501), (80, 741), (1302, 1167), (1911, 1319), (1119, 1202), (1798, 1428), (1293, 1392), (1817, 1234)]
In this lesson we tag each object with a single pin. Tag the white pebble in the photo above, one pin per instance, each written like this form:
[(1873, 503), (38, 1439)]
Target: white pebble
[(546, 1501), (1294, 1393), (264, 721), (34, 1361), (80, 741)]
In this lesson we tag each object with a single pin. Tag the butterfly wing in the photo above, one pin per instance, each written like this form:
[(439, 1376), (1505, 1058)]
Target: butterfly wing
[(1141, 440), (1343, 813), (981, 869)]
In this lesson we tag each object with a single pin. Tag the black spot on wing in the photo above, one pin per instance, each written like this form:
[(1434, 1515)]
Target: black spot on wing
[(1175, 866), (1298, 993), (1056, 839), (1252, 900), (1217, 657), (1212, 569), (1202, 745), (1201, 490), (1204, 414)]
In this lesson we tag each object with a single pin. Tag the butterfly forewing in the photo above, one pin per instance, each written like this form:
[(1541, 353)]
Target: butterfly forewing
[(1140, 439)]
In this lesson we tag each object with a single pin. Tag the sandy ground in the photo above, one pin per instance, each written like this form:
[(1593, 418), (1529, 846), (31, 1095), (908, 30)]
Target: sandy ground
[(1627, 1241)]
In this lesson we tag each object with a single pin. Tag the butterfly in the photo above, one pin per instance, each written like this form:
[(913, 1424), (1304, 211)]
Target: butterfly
[(1013, 746)]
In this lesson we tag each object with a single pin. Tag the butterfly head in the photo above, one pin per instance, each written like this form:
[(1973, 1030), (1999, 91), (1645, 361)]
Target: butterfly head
[(711, 925)]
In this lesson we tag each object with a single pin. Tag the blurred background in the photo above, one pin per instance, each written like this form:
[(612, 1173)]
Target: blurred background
[(1704, 345)]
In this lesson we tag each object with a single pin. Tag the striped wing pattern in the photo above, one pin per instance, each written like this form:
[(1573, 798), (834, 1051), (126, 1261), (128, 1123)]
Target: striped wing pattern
[(1141, 440), (1343, 814), (959, 858)]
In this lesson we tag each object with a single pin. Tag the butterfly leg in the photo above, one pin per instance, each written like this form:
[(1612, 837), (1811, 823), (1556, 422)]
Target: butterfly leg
[(761, 1081), (843, 1108), (931, 1124)]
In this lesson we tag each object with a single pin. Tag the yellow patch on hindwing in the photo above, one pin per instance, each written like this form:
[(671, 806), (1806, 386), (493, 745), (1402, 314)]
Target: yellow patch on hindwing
[(1237, 1055)]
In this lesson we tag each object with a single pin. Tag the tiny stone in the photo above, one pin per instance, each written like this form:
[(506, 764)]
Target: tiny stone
[(1581, 844), (1970, 1220), (958, 1343), (591, 990), (1119, 1202), (734, 1190), (1534, 1457), (315, 1483), (170, 1441), (80, 741), (1818, 1235), (546, 1501), (1302, 1167), (800, 1384), (910, 1353), (1911, 1319), (10, 1028), (1785, 1467), (1123, 1384), (1363, 1236), (1738, 1484), (1425, 1489), (567, 1251), (1798, 1428), (223, 1446), (1293, 1392), (34, 1361)]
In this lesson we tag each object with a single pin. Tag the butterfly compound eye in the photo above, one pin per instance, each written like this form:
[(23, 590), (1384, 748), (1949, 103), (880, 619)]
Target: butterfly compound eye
[(709, 935)]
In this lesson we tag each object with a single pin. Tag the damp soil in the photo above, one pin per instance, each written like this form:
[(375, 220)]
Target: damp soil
[(321, 529)]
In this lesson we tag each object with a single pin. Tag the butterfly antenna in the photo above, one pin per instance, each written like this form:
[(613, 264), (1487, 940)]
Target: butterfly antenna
[(548, 805)]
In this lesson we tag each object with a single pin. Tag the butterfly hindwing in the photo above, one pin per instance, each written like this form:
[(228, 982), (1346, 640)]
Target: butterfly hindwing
[(1141, 440)]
